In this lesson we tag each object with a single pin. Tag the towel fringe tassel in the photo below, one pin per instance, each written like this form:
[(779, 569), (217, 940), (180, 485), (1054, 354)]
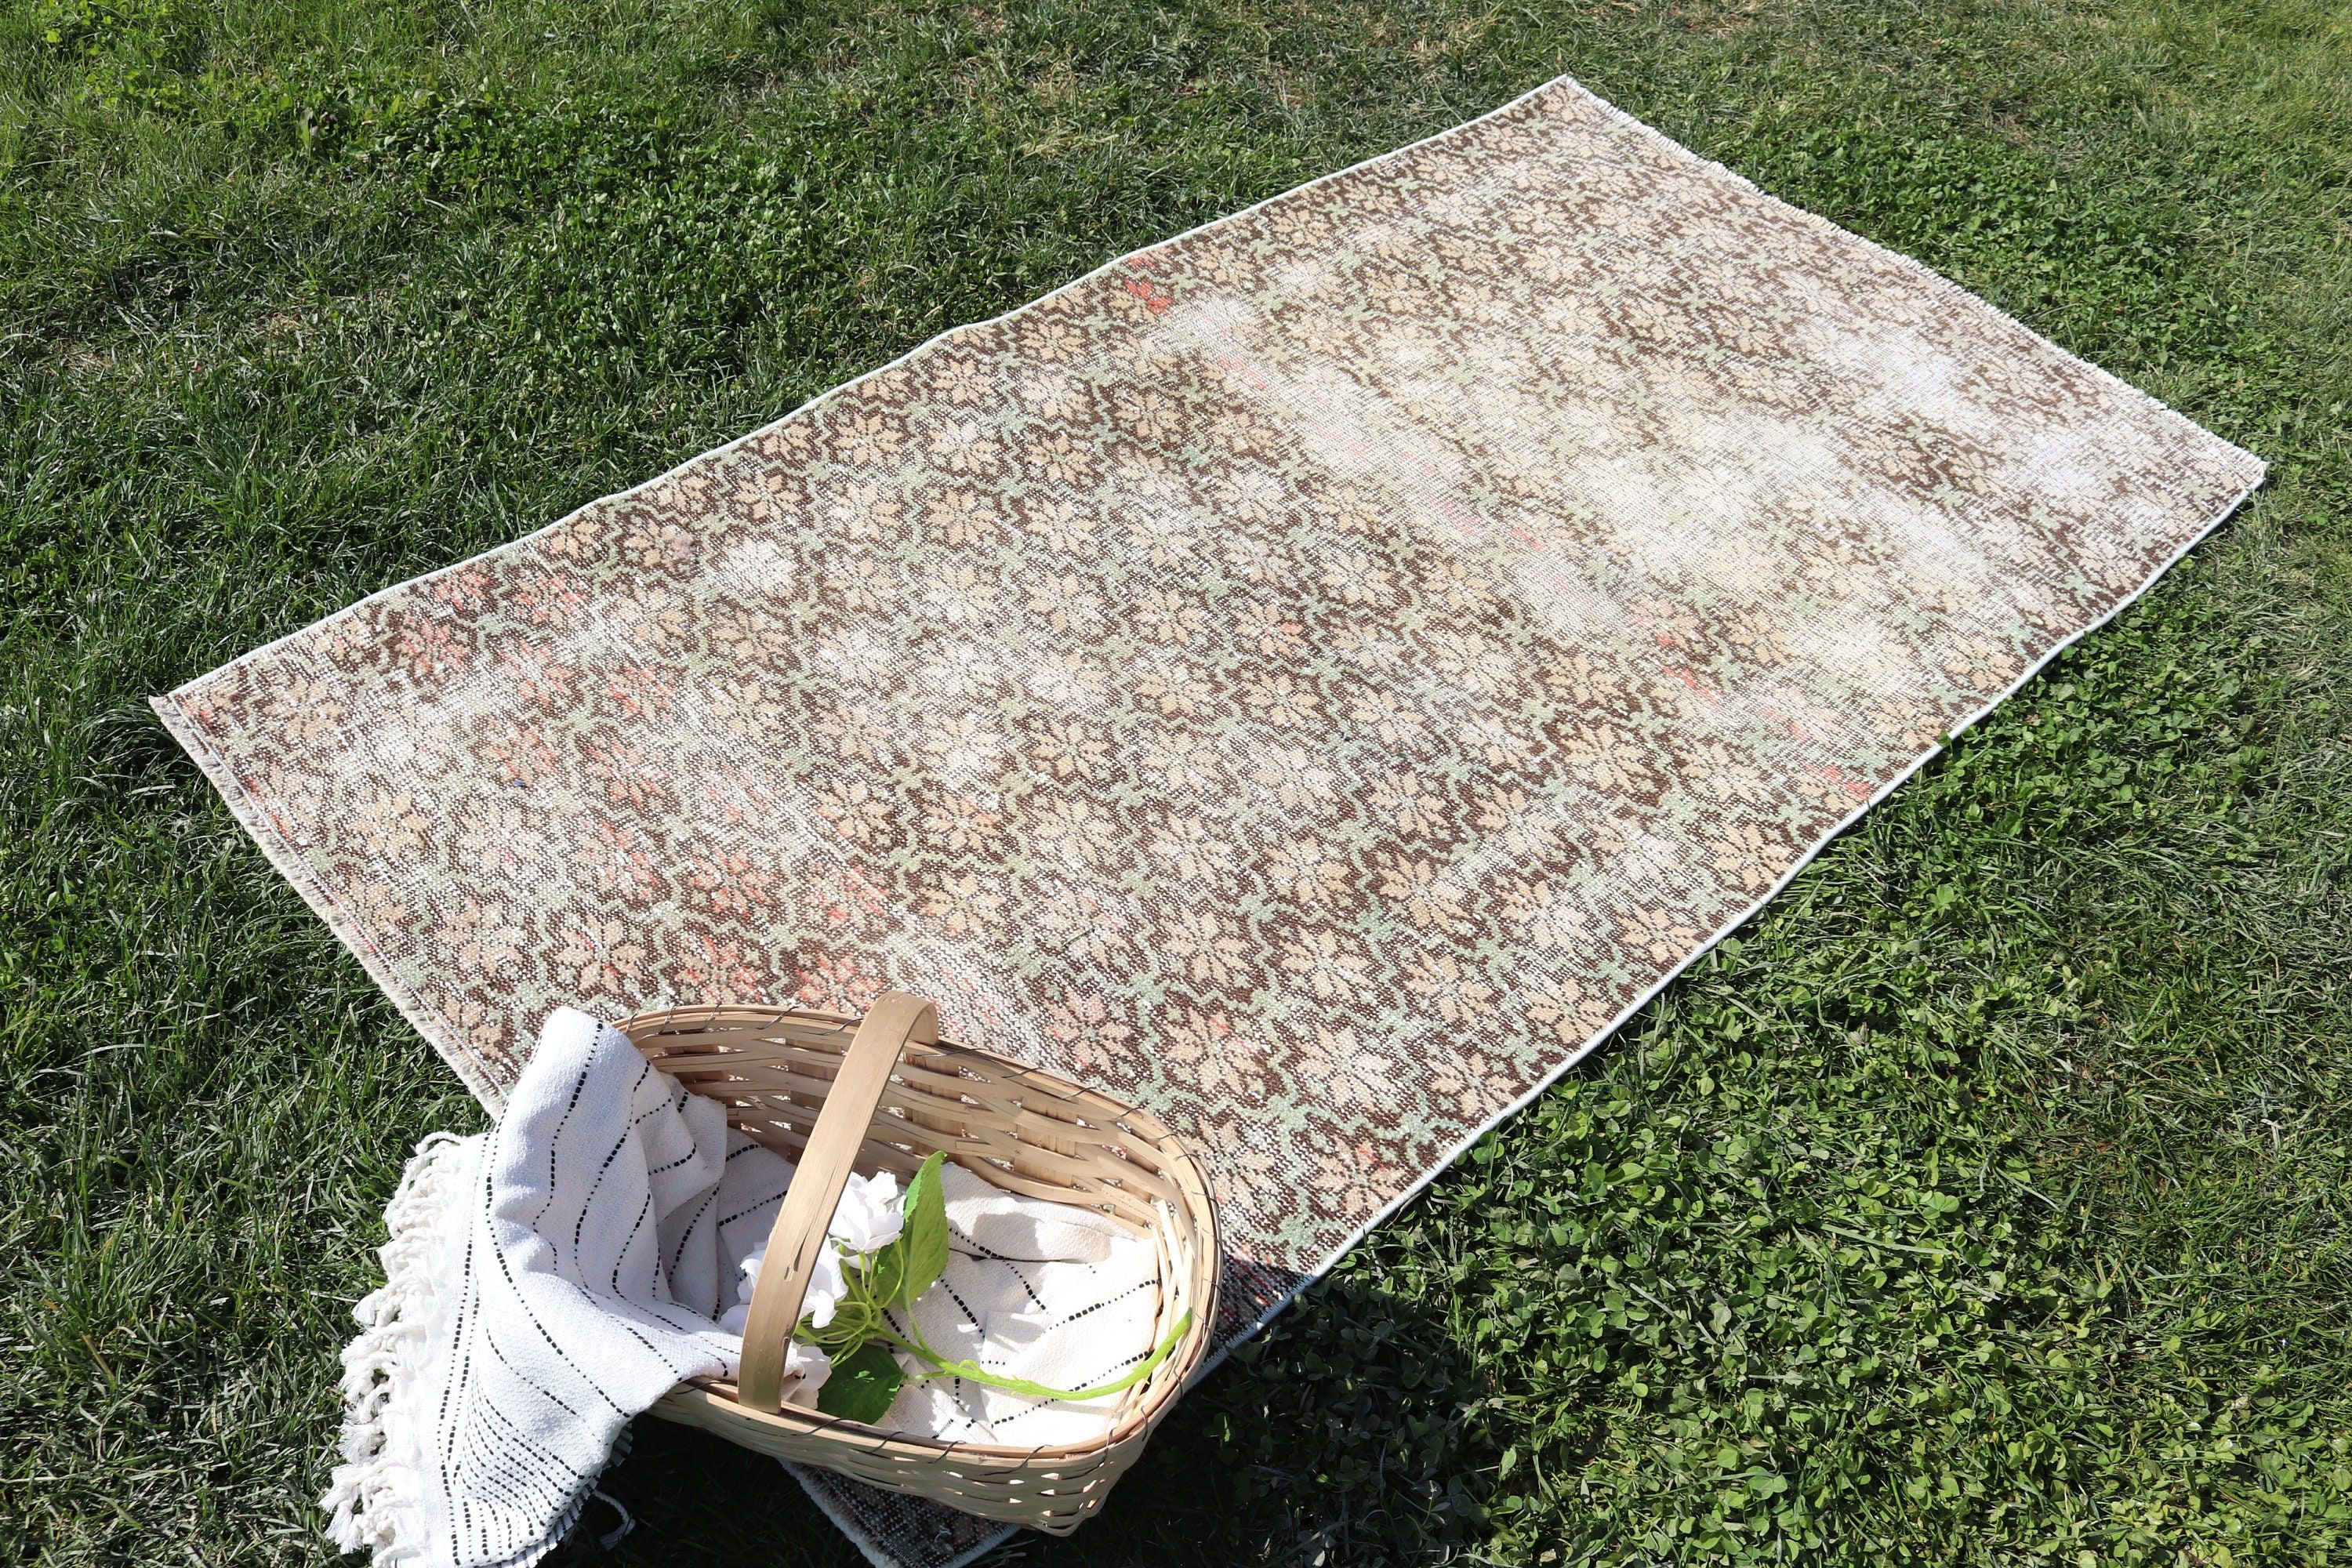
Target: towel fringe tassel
[(375, 1501)]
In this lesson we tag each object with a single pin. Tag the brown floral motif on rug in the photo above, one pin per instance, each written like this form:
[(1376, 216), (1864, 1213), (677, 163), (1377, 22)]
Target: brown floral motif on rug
[(1312, 676)]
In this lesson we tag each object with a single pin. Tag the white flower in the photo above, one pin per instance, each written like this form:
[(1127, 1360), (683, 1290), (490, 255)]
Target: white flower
[(812, 1366), (800, 1359), (825, 1287), (871, 1214), (804, 1361)]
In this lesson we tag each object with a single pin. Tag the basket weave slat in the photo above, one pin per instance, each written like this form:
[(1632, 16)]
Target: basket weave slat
[(1024, 1130), (1026, 1164)]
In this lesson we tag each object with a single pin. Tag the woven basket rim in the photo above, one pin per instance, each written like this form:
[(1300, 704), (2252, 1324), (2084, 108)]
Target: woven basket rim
[(1022, 1071)]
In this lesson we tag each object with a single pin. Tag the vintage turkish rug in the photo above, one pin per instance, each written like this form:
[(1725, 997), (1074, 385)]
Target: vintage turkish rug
[(1314, 677)]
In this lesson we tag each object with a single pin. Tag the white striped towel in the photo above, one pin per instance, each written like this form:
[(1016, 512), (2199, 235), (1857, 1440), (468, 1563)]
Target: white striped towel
[(549, 1279)]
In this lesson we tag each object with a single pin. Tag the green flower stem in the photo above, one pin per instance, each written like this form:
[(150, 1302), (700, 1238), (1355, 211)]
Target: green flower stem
[(912, 1264), (859, 1318), (974, 1371)]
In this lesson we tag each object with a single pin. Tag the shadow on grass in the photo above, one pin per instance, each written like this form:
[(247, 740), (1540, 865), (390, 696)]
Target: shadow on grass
[(1265, 1460)]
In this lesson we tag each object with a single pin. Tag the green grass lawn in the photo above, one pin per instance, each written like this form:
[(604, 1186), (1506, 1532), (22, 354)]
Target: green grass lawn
[(1984, 1201)]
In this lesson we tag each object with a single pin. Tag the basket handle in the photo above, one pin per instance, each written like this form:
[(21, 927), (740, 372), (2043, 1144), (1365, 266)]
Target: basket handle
[(817, 1183)]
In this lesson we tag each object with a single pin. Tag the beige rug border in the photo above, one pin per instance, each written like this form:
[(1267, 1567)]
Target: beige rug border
[(289, 864)]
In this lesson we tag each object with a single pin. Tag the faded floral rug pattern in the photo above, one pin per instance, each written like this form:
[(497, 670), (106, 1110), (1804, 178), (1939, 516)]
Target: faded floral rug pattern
[(1313, 677)]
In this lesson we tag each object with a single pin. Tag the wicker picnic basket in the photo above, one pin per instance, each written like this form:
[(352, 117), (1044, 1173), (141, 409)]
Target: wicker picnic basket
[(834, 1094)]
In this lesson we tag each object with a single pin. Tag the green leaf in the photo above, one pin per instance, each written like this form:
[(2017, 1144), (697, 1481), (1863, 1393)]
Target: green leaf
[(863, 1385), (924, 1237)]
